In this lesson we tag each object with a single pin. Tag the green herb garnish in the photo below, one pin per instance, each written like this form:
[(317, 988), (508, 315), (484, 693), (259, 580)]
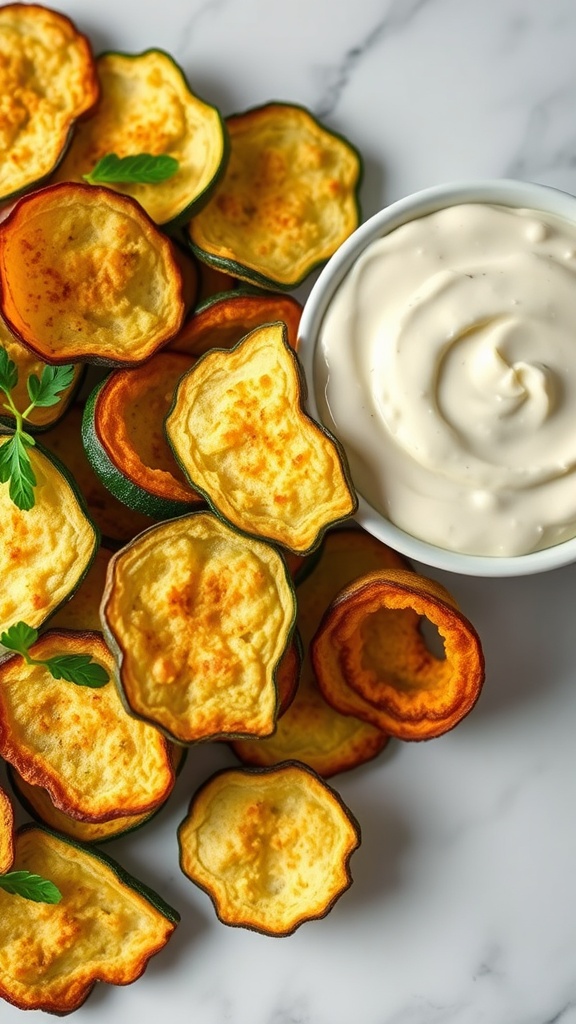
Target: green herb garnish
[(15, 464), (74, 668), (140, 169), (30, 887)]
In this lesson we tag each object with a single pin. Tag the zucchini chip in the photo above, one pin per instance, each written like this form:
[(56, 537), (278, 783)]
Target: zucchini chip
[(96, 761), (271, 847), (239, 431), (46, 551), (116, 522), (48, 79), (223, 320), (36, 801), (147, 106), (124, 439), (106, 926), (86, 276), (42, 417), (371, 657), (312, 730), (199, 616), (287, 201), (6, 832)]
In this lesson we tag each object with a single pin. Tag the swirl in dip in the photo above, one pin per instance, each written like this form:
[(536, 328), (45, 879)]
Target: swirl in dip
[(446, 364)]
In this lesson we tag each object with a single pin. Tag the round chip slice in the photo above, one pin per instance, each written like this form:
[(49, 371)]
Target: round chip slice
[(371, 658), (239, 430), (86, 276), (271, 847), (223, 320), (96, 761), (48, 80), (46, 550), (105, 927), (199, 616), (288, 198)]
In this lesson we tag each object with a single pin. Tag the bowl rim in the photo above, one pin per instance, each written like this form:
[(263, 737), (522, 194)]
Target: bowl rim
[(500, 191)]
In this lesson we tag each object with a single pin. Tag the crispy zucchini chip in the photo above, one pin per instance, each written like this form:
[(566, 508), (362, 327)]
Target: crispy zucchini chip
[(48, 79), (371, 658), (124, 439), (36, 801), (239, 430), (46, 551), (86, 276), (312, 730), (223, 320), (95, 760), (199, 616), (271, 847), (6, 832), (288, 199), (106, 927), (116, 522), (41, 417), (147, 106)]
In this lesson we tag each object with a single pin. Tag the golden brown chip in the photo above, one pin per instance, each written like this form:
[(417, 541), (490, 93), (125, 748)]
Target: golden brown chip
[(288, 198), (199, 616), (95, 760), (147, 106), (86, 276), (48, 79), (312, 730), (271, 847), (106, 926), (371, 659), (6, 832), (45, 551), (239, 431)]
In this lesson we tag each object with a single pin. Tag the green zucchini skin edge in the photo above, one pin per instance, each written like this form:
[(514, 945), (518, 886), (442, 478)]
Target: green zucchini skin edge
[(118, 652), (197, 202), (302, 395), (123, 876), (81, 501), (120, 486)]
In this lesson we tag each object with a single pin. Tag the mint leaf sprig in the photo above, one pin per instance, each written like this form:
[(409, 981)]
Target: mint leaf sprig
[(139, 169), (30, 887), (43, 391), (74, 668)]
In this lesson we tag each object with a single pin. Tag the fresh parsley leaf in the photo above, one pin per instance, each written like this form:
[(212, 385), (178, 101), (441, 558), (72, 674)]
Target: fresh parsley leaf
[(16, 467), (30, 886), (77, 668), (45, 390), (74, 668), (8, 372), (19, 637), (140, 169)]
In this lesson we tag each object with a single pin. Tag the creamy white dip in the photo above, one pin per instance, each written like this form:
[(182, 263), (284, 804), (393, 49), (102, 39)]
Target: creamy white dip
[(446, 364)]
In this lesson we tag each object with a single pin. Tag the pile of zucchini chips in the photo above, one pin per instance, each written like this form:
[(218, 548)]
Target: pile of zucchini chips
[(178, 551)]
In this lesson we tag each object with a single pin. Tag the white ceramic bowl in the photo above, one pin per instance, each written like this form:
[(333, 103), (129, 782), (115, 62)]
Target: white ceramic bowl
[(502, 192)]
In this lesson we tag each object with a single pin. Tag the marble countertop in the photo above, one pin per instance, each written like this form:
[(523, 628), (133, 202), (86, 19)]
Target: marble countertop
[(462, 909)]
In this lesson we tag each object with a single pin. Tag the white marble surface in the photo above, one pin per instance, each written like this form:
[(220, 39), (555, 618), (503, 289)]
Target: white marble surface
[(462, 909)]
